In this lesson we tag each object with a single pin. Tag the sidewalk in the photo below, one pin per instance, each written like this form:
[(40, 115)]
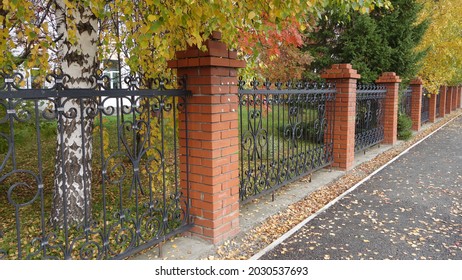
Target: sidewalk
[(411, 209), (256, 212)]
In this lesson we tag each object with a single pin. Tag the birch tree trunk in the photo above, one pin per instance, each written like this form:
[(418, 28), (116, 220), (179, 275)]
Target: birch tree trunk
[(78, 58)]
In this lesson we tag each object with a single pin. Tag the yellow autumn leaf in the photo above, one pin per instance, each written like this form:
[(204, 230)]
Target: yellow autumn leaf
[(152, 18)]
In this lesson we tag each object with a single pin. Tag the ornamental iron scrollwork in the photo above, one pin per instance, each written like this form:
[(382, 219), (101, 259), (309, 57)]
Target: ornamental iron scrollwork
[(58, 79), (369, 129), (405, 102), (285, 130), (136, 196)]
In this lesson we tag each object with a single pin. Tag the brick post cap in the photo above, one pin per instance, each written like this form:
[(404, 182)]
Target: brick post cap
[(340, 71), (216, 35), (388, 77), (416, 81), (217, 55)]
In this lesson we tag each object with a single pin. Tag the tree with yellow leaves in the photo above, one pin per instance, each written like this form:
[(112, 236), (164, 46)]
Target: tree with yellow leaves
[(443, 40)]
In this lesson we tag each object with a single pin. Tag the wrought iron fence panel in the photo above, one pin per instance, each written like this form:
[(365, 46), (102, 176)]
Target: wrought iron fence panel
[(369, 129), (424, 113), (285, 132), (134, 198), (438, 102), (405, 102)]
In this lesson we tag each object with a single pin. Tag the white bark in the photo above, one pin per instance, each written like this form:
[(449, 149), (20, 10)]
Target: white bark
[(72, 171)]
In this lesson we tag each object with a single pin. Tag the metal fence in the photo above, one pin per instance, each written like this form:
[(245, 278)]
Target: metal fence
[(425, 109), (130, 197), (285, 132), (438, 104), (369, 129), (405, 102)]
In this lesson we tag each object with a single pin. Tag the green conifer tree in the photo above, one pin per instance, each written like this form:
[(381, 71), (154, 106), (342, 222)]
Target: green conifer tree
[(383, 40)]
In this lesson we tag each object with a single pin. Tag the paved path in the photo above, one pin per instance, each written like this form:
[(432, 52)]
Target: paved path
[(412, 209)]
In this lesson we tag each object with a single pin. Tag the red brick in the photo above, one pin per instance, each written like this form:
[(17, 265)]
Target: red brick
[(214, 61), (230, 167), (231, 133), (229, 151), (204, 154), (215, 180), (208, 223), (212, 215), (208, 206), (205, 188), (203, 118), (230, 98), (206, 171), (216, 52), (216, 144), (207, 127), (172, 64), (198, 100), (204, 80), (216, 35), (205, 136), (229, 116), (232, 54), (215, 71), (209, 109), (189, 72)]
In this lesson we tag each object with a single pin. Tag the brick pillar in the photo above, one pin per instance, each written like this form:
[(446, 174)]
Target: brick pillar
[(443, 91), (432, 108), (416, 103), (449, 100), (212, 114), (345, 79), (390, 116)]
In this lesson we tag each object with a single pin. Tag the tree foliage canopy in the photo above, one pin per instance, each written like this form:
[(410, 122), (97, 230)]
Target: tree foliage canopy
[(148, 32), (384, 40), (443, 62)]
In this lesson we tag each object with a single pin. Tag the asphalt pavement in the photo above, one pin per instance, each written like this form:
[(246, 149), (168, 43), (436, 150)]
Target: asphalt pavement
[(411, 209)]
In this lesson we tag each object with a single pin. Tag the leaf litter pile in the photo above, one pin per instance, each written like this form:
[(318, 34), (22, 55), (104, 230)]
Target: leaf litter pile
[(244, 247)]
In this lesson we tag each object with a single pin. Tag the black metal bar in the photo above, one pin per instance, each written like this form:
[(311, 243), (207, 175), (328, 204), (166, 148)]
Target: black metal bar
[(28, 94), (105, 239)]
